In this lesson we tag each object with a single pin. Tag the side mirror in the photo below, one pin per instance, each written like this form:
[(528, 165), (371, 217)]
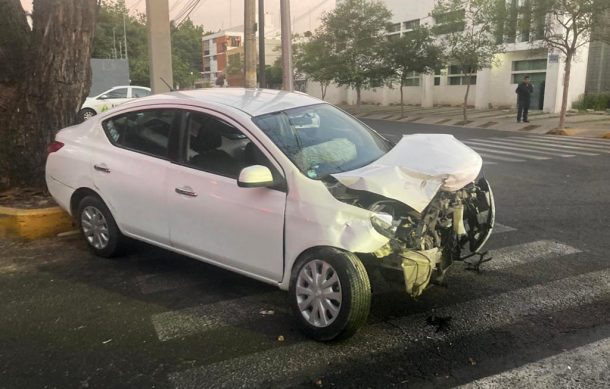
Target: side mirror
[(256, 176), (103, 97)]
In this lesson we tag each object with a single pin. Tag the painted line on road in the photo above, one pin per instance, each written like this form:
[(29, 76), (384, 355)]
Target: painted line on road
[(589, 141), (581, 367), (177, 324), (499, 158), (589, 146), (532, 143), (490, 150), (531, 147), (278, 364), (519, 254), (501, 228), (517, 148)]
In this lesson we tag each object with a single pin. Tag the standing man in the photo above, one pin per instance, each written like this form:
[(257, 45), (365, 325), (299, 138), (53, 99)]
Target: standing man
[(524, 91)]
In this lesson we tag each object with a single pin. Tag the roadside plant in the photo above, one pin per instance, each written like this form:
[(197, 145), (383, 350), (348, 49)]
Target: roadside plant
[(316, 59), (415, 52), (467, 32)]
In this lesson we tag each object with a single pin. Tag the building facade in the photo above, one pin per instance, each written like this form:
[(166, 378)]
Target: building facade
[(493, 87)]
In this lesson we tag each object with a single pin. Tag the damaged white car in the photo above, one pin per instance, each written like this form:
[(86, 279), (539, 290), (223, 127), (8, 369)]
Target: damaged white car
[(277, 186)]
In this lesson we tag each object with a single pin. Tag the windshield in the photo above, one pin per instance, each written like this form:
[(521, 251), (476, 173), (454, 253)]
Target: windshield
[(321, 139)]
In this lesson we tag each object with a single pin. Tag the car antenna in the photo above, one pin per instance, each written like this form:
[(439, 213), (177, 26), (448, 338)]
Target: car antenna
[(168, 85)]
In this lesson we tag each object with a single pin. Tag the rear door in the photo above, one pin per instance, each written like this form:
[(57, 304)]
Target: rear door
[(211, 216), (130, 171)]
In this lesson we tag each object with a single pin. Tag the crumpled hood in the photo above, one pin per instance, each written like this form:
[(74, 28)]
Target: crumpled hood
[(416, 169)]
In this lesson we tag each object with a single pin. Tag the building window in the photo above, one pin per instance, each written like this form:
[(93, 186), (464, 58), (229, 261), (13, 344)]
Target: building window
[(413, 79), (457, 77), (393, 28), (449, 22), (437, 77), (410, 24), (531, 67)]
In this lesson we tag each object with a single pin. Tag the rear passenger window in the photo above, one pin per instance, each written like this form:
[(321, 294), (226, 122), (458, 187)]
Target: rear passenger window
[(151, 131)]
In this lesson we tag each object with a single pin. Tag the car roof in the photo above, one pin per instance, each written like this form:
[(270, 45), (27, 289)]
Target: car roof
[(252, 101)]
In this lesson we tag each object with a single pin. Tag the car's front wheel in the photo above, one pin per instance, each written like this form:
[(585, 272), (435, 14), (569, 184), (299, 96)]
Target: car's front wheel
[(85, 113), (330, 294), (99, 228)]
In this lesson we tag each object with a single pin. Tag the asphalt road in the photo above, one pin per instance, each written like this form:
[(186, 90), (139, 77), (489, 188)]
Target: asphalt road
[(538, 315)]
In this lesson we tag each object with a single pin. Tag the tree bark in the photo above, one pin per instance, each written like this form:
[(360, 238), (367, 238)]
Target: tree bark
[(564, 95), (55, 80), (323, 85), (402, 103), (466, 100), (358, 98)]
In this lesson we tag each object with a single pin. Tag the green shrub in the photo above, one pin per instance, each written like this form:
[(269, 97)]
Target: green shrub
[(597, 102)]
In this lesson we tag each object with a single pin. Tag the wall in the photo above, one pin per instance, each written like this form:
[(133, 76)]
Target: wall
[(107, 73)]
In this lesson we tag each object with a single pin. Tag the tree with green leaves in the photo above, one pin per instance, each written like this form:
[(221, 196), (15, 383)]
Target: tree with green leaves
[(315, 58), (187, 53), (467, 31), (571, 25), (354, 30), (415, 52)]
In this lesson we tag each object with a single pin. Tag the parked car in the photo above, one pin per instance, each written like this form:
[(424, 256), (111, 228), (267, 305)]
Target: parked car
[(277, 186), (110, 99)]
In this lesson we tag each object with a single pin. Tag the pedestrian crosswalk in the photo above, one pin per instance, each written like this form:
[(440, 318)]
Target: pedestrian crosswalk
[(534, 147), (279, 363), (525, 148)]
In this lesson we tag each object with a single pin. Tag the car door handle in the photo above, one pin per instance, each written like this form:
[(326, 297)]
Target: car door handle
[(101, 168), (187, 191)]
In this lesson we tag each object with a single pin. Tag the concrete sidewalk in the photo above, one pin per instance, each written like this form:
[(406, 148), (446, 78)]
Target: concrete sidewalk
[(589, 124)]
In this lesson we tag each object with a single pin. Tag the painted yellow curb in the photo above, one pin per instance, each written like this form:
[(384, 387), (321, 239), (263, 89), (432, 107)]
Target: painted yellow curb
[(33, 223)]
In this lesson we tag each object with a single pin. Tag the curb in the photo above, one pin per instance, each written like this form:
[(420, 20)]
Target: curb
[(33, 223)]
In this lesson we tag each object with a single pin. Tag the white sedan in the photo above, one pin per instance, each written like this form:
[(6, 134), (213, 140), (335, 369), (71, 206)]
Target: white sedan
[(110, 99), (277, 186)]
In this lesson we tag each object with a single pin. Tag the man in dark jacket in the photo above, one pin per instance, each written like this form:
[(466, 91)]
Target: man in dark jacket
[(524, 91)]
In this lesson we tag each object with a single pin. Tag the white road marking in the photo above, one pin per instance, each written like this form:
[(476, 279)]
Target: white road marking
[(530, 146), (489, 150), (189, 321), (591, 141), (280, 363), (501, 228), (510, 256), (516, 148), (537, 143), (581, 367), (161, 282), (499, 158), (591, 146)]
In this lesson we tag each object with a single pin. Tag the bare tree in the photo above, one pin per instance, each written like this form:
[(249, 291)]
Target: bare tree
[(44, 77), (570, 24)]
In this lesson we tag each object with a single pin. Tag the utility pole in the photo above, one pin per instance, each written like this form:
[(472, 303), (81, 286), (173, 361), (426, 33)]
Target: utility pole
[(125, 36), (288, 83), (159, 45), (249, 44), (262, 82)]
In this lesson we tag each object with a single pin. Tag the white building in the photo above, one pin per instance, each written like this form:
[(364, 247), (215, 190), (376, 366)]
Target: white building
[(494, 87)]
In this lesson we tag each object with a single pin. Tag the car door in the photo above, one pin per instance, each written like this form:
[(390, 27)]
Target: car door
[(130, 171), (211, 216), (114, 97)]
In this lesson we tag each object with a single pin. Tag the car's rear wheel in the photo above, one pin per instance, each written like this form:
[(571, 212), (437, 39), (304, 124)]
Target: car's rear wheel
[(86, 113), (330, 294), (99, 228)]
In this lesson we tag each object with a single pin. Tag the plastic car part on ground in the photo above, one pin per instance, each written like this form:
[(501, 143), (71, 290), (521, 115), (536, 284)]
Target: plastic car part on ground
[(416, 169)]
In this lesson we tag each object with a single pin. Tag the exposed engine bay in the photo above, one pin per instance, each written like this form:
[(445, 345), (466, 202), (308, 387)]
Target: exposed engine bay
[(453, 227)]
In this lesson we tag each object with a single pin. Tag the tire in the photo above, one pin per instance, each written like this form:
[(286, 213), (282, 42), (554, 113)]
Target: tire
[(96, 223), (353, 287), (85, 113)]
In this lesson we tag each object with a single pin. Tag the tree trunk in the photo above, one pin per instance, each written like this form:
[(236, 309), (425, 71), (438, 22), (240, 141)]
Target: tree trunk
[(358, 98), (564, 95), (466, 99), (55, 80), (323, 86), (402, 103)]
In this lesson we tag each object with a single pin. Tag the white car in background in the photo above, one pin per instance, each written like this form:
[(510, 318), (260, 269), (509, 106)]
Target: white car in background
[(110, 99), (277, 186)]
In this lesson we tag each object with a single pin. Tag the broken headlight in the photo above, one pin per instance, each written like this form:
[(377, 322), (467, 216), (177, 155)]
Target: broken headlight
[(384, 224)]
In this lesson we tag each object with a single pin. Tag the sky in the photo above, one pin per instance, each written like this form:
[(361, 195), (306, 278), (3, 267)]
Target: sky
[(216, 15)]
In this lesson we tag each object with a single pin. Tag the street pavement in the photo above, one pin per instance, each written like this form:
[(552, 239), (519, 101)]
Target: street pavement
[(536, 316)]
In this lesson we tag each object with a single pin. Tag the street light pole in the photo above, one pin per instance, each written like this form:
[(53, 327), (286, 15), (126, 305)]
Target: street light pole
[(249, 44), (261, 44), (159, 45), (288, 83)]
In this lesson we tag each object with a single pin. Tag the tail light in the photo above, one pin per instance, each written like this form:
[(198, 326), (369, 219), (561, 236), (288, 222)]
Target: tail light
[(54, 146)]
